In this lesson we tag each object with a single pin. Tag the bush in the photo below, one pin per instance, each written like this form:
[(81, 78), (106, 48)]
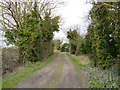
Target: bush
[(10, 57)]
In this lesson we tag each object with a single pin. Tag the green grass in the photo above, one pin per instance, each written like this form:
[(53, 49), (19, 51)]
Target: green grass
[(59, 68), (74, 59), (8, 81), (0, 69), (56, 75), (97, 78), (0, 83), (80, 73)]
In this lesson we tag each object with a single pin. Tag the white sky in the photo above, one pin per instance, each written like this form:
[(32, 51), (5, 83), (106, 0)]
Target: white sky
[(73, 13)]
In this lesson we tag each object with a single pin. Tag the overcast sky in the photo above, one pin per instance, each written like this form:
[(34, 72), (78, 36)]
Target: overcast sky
[(75, 12)]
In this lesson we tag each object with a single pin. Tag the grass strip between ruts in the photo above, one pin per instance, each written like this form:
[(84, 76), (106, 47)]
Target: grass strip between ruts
[(74, 59), (55, 78)]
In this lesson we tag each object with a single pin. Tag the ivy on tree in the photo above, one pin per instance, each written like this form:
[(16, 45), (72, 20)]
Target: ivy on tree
[(32, 31)]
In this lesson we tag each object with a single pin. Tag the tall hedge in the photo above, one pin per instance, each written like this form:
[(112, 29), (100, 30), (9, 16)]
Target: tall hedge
[(33, 32), (103, 37)]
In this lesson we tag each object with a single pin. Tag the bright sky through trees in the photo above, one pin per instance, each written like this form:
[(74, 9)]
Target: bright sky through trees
[(75, 12)]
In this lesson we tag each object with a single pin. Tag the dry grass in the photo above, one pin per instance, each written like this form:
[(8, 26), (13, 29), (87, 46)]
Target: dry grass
[(96, 77), (0, 63), (56, 51), (9, 80), (83, 59), (10, 58)]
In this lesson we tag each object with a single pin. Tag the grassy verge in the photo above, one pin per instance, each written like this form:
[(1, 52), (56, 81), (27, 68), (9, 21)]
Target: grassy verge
[(0, 70), (56, 77), (0, 83), (74, 60), (8, 81), (96, 77), (80, 72)]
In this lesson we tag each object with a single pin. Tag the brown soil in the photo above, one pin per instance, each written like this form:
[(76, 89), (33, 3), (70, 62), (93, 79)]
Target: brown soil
[(40, 77), (47, 75), (69, 79)]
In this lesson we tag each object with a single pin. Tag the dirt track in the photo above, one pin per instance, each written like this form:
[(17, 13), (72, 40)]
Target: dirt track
[(59, 73), (69, 79)]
